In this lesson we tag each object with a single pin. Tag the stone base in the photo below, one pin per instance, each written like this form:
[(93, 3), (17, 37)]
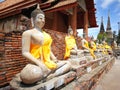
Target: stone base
[(56, 82), (89, 80), (81, 77)]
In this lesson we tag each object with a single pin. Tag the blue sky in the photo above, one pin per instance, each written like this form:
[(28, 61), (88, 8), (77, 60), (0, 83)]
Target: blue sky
[(103, 6), (2, 0)]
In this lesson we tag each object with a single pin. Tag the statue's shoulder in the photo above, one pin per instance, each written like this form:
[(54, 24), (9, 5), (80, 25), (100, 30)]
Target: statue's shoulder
[(27, 32)]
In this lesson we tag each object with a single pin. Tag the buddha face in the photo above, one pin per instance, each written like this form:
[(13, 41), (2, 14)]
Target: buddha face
[(71, 32), (40, 20)]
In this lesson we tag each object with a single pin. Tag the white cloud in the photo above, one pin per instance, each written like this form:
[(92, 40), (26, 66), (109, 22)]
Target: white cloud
[(106, 3), (117, 7), (96, 1)]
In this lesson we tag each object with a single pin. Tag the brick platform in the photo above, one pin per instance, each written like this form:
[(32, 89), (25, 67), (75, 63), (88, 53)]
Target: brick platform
[(12, 61), (82, 77), (89, 80)]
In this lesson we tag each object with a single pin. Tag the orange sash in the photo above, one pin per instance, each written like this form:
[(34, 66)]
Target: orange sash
[(43, 51)]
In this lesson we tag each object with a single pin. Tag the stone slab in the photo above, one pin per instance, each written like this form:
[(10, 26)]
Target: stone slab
[(88, 80), (53, 83)]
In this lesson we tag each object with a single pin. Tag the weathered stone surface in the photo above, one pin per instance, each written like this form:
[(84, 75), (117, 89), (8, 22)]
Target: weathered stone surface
[(88, 80), (56, 82), (30, 74)]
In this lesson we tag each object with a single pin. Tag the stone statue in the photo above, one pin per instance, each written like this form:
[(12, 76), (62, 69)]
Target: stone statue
[(71, 46), (96, 47), (86, 48), (114, 45), (36, 48), (107, 48), (93, 44)]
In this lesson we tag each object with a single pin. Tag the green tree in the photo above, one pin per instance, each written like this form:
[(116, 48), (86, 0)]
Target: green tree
[(101, 37)]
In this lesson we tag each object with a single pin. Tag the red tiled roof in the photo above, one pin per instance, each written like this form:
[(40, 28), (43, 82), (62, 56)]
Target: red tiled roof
[(61, 4), (12, 7), (91, 13), (46, 4), (9, 3)]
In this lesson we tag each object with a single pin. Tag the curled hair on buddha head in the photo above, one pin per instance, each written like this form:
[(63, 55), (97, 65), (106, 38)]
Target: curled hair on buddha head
[(37, 11)]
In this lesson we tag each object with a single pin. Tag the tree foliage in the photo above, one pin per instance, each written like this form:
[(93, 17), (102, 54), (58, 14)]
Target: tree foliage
[(101, 37)]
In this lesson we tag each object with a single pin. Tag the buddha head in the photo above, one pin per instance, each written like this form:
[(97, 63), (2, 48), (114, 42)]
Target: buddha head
[(70, 31), (38, 17)]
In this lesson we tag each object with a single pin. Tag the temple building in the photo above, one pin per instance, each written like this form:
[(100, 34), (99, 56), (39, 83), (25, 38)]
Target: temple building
[(15, 18), (77, 13), (108, 34), (102, 34)]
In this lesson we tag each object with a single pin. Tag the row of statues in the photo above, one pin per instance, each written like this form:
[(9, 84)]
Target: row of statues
[(36, 48)]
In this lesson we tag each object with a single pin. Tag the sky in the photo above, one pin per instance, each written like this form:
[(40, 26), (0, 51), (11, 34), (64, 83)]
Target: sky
[(2, 0), (102, 9)]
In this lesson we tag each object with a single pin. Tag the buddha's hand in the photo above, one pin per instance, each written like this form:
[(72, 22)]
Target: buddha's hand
[(42, 66), (55, 60)]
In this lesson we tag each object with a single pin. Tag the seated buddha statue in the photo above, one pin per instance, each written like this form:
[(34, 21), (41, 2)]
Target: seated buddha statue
[(71, 46), (107, 48), (101, 48), (36, 48), (96, 47), (86, 48), (93, 44)]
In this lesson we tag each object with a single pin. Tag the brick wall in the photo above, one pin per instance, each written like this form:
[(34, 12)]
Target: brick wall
[(2, 65), (58, 45), (11, 60)]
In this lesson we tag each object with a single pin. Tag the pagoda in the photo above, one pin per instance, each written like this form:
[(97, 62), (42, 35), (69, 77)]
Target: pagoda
[(102, 30), (102, 34), (109, 32)]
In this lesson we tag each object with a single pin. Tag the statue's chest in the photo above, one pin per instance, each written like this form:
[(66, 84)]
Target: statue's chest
[(47, 39)]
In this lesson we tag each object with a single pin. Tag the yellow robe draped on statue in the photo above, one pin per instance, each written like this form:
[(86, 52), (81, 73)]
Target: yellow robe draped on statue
[(91, 50), (107, 47), (43, 51), (70, 44), (94, 46)]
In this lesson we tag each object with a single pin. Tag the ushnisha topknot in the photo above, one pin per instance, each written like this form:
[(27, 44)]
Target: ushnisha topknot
[(37, 11)]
